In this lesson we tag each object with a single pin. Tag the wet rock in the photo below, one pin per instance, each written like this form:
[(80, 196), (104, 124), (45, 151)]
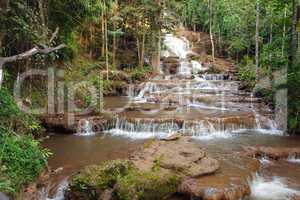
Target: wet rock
[(171, 64), (275, 153), (60, 122), (181, 156), (173, 137), (3, 196), (233, 192)]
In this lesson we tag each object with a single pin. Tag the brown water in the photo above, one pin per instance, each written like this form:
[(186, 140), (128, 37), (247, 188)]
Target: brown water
[(73, 152)]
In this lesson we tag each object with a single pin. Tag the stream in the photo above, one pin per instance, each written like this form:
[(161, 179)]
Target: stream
[(207, 107)]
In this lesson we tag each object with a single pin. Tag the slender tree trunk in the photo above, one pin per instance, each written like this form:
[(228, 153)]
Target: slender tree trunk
[(257, 39), (106, 46), (1, 73), (157, 67), (41, 10), (91, 41), (102, 34), (142, 62), (294, 42), (284, 32), (138, 50), (114, 51), (210, 29)]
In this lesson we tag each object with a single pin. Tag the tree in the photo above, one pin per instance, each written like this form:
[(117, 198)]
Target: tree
[(257, 39), (210, 8), (42, 49)]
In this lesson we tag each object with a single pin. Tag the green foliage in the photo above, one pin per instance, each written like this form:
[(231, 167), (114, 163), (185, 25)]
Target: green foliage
[(246, 73), (294, 98), (21, 160), (12, 118), (139, 74)]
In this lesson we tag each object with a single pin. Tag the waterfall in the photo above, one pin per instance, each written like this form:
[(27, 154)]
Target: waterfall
[(180, 47), (274, 189), (139, 129), (85, 128), (294, 159), (150, 87), (59, 195)]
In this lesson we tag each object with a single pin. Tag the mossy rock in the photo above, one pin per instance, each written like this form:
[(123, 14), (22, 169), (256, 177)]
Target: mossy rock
[(126, 181), (93, 180), (139, 185)]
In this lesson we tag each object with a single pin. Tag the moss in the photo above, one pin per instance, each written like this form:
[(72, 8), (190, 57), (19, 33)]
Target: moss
[(92, 180), (145, 186), (127, 182)]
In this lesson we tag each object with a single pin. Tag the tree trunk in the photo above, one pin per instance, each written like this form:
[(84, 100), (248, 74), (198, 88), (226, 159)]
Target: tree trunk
[(114, 51), (1, 74), (106, 46), (142, 62), (257, 39), (210, 30), (91, 41), (103, 34), (138, 49), (294, 42), (284, 32)]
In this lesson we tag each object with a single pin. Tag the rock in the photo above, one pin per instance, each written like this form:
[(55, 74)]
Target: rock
[(234, 192), (106, 195), (203, 166), (173, 137), (180, 156), (3, 196), (275, 153)]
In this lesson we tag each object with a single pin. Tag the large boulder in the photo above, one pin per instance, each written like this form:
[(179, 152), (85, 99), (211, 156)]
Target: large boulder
[(171, 64), (154, 172)]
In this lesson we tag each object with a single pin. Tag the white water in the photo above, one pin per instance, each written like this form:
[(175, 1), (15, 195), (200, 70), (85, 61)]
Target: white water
[(60, 191), (143, 130), (180, 47), (177, 46), (294, 159), (85, 128), (150, 87), (265, 161), (274, 189)]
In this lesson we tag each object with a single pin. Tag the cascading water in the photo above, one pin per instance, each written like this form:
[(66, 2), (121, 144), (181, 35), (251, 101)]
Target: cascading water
[(59, 195), (274, 189), (180, 47), (294, 159), (85, 128), (150, 87), (143, 130)]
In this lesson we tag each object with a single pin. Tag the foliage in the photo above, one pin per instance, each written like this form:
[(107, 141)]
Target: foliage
[(12, 118), (21, 159), (246, 73)]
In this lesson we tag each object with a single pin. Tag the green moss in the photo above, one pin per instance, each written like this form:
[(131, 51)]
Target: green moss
[(145, 186), (94, 179), (127, 182)]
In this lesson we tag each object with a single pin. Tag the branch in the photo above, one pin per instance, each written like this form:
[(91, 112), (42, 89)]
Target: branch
[(54, 35), (36, 50), (29, 53)]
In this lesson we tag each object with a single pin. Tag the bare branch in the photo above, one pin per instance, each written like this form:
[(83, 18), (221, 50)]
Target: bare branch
[(54, 35), (30, 53)]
